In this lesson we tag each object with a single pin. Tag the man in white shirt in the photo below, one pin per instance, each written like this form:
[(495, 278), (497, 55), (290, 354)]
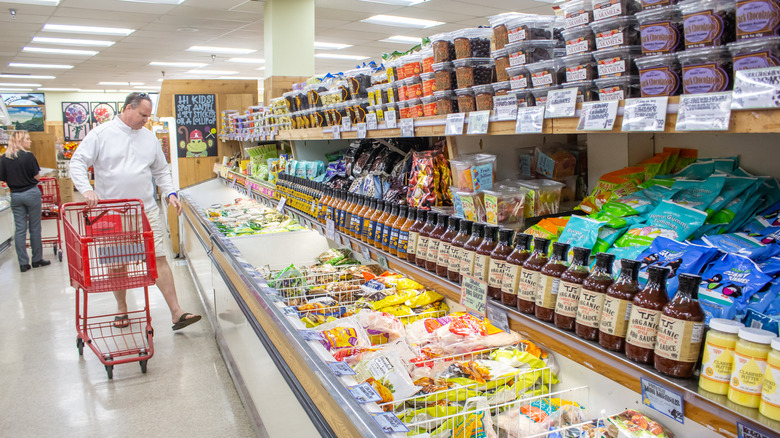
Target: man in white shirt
[(125, 157)]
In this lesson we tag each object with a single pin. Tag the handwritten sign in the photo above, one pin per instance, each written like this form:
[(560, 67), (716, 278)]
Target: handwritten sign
[(362, 130), (704, 112), (391, 119), (530, 120), (598, 116), (454, 124), (478, 122), (663, 400), (745, 431), (473, 294), (371, 121), (196, 125), (561, 103), (336, 130), (330, 229), (647, 114), (505, 107), (407, 127), (756, 88)]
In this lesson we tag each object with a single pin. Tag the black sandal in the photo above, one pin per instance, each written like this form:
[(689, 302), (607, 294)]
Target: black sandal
[(121, 321), (184, 321)]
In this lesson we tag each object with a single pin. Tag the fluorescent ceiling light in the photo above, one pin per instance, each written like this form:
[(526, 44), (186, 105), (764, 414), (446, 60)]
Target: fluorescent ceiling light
[(177, 64), (212, 72), (245, 78), (58, 89), (59, 51), (34, 2), (7, 75), (92, 91), (7, 84), (87, 29), (393, 20), (16, 90), (247, 60), (72, 42), (337, 56), (403, 39), (52, 66), (161, 2), (261, 68), (397, 2), (148, 88), (120, 83), (228, 50), (334, 46)]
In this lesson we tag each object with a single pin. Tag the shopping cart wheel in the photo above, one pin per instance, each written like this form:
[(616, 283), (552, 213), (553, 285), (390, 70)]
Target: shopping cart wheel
[(59, 255), (143, 366), (80, 346), (55, 249), (110, 371)]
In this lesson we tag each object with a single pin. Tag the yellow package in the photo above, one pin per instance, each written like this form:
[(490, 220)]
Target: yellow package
[(340, 337), (408, 284), (425, 298), (393, 300), (399, 310), (312, 320)]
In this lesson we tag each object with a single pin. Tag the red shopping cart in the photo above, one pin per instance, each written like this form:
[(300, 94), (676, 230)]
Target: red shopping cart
[(50, 211), (111, 247)]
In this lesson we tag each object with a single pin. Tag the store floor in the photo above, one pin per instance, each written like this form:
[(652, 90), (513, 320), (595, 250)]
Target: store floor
[(49, 390)]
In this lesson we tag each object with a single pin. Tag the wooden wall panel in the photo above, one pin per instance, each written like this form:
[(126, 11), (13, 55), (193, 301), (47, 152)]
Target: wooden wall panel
[(43, 149), (276, 85)]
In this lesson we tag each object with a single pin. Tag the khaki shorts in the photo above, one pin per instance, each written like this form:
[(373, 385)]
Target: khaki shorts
[(156, 224)]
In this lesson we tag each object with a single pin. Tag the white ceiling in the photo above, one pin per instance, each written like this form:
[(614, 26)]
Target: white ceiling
[(164, 32)]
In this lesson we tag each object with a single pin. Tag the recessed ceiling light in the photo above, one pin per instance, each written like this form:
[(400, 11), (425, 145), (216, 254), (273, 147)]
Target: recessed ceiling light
[(334, 46), (393, 20), (247, 60), (261, 68), (162, 2), (228, 50), (72, 42), (8, 75), (52, 66), (36, 2), (337, 56), (213, 72), (58, 89), (177, 64), (245, 78), (403, 39), (146, 87), (16, 90), (187, 29), (120, 83), (7, 84), (397, 2), (59, 51), (87, 29)]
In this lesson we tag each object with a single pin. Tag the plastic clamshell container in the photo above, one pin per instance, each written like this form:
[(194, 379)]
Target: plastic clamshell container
[(659, 75), (577, 13), (706, 70), (530, 51), (472, 42), (755, 53), (540, 94), (519, 77), (474, 71), (543, 197), (499, 25), (545, 73), (501, 57), (443, 48), (617, 61), (618, 88), (444, 74), (426, 59), (605, 9), (474, 172), (660, 30), (505, 206), (703, 23), (466, 100), (473, 205), (585, 90), (446, 102), (484, 97), (579, 40), (579, 67), (525, 98), (616, 32)]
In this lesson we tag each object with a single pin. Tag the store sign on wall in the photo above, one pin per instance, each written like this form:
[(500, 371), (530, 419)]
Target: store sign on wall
[(663, 400), (196, 125)]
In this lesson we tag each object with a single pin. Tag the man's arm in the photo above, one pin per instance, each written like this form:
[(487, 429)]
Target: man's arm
[(162, 177), (79, 165)]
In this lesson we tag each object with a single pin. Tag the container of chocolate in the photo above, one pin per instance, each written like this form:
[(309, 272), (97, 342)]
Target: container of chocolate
[(530, 51), (706, 70), (444, 73), (530, 27), (708, 23), (659, 75), (502, 88), (617, 88), (474, 71), (755, 53), (661, 30), (579, 40), (577, 13), (546, 73), (501, 57), (499, 25), (472, 43), (586, 91), (618, 61), (616, 32), (519, 77), (483, 96), (443, 47), (757, 19), (579, 67), (604, 9), (525, 98)]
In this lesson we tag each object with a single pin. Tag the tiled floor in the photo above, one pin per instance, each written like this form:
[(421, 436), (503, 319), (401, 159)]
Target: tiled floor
[(47, 389)]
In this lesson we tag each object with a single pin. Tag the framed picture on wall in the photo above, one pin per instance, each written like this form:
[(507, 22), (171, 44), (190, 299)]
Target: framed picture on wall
[(30, 118), (75, 120), (23, 99), (102, 112)]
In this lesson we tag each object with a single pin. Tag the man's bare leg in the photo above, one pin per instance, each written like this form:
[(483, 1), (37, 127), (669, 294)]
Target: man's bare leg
[(168, 288)]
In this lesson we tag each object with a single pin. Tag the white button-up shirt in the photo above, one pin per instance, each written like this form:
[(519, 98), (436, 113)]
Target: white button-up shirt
[(125, 160)]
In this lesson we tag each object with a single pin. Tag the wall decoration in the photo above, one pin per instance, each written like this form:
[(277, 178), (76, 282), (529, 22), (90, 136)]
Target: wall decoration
[(75, 120), (196, 125), (23, 99), (27, 117), (102, 112)]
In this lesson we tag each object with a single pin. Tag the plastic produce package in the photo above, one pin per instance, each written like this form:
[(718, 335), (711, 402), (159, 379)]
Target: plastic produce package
[(505, 206), (385, 372), (634, 424), (544, 197), (343, 333)]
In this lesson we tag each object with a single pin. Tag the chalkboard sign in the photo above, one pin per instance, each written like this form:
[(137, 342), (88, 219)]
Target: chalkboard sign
[(196, 125)]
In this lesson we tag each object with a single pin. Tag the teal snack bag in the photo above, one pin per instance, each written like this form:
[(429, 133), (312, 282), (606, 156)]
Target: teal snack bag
[(581, 231), (728, 285), (607, 237), (630, 253), (727, 165), (666, 182), (732, 187), (699, 170), (682, 221), (679, 257), (640, 202), (698, 194), (614, 221), (726, 214)]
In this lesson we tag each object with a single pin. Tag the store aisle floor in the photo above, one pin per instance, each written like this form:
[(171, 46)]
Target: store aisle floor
[(49, 390)]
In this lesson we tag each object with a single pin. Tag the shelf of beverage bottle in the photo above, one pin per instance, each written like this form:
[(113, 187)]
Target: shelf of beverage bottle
[(702, 407)]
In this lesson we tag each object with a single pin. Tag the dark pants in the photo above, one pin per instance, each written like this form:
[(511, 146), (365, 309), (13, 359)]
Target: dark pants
[(26, 207)]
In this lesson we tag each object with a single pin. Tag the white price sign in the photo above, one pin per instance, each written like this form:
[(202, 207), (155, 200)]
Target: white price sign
[(290, 311), (336, 129), (498, 318), (647, 114), (311, 335), (364, 393), (346, 124), (478, 122), (390, 423), (561, 103), (361, 130), (391, 119), (454, 124), (371, 121), (598, 116), (330, 229), (756, 88), (530, 120), (407, 127), (505, 107), (280, 205), (341, 369), (704, 112)]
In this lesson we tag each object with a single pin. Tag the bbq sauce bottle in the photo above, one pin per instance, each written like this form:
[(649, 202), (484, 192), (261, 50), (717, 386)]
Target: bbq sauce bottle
[(388, 229), (424, 239), (434, 242), (680, 331), (374, 225), (469, 251), (550, 281), (380, 225), (395, 227), (403, 232), (355, 221), (569, 290), (645, 313), (456, 250), (592, 294), (322, 213), (445, 247), (498, 263), (514, 268), (529, 278), (366, 229), (617, 307), (414, 235), (482, 254)]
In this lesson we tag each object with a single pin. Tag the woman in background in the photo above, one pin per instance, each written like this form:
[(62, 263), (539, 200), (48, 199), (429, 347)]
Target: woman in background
[(20, 171)]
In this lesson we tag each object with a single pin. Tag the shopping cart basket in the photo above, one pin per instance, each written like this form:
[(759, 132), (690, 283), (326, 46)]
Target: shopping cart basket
[(50, 211), (111, 247)]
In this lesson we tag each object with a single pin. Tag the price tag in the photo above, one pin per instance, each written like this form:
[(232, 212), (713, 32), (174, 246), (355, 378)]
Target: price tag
[(341, 369), (645, 115), (454, 124), (407, 127), (390, 423), (704, 112), (336, 129), (330, 229), (663, 400), (233, 184), (745, 431), (346, 124), (498, 318), (598, 116), (756, 88), (366, 253), (364, 393), (391, 120), (505, 107), (290, 311), (371, 121), (561, 103), (473, 294), (361, 130), (382, 260), (478, 122), (311, 335), (280, 205), (530, 120)]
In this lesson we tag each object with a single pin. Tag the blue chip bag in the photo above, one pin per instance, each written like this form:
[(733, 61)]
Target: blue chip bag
[(733, 243), (698, 194), (770, 323), (630, 253), (728, 285), (581, 231), (679, 257), (763, 298), (770, 266)]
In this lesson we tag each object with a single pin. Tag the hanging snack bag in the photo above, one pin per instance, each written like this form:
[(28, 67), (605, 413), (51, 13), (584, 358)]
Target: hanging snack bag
[(728, 285), (698, 194), (679, 257)]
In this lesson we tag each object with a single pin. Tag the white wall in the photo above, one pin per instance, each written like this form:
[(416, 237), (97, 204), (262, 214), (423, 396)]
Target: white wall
[(54, 101)]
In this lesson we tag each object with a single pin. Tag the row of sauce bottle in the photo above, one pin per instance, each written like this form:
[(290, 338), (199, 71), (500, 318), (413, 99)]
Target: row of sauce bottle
[(619, 314)]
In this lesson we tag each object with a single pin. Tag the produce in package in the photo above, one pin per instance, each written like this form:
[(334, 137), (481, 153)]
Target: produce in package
[(543, 198), (385, 372), (634, 424)]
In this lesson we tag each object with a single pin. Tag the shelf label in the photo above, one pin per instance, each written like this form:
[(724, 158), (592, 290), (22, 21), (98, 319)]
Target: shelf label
[(598, 116), (290, 311), (361, 130), (341, 369), (745, 431), (478, 122), (647, 114), (311, 335), (371, 121), (561, 103), (530, 120), (365, 252), (382, 260), (391, 120), (704, 112), (233, 184), (336, 129), (473, 294), (756, 88), (364, 393), (390, 423), (498, 318), (663, 400), (505, 107), (407, 127), (280, 205), (346, 124), (454, 124), (330, 229)]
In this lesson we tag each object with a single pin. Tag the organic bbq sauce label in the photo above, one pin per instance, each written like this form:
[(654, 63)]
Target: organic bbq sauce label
[(411, 245), (422, 248), (659, 38), (433, 250), (678, 339), (643, 327), (496, 273), (760, 59), (444, 254), (702, 29), (660, 81), (481, 267), (568, 299), (704, 78), (614, 317), (511, 279), (527, 286), (589, 308), (547, 292), (757, 18), (467, 262), (455, 256)]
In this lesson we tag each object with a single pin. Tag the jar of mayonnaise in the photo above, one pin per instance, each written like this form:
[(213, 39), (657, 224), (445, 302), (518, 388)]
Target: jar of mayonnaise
[(718, 360), (750, 363)]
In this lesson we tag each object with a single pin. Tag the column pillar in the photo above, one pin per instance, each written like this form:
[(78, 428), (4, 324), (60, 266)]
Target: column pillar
[(288, 28)]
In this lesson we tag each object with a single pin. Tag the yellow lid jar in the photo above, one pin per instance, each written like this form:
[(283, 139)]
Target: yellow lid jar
[(770, 393), (718, 359), (750, 365)]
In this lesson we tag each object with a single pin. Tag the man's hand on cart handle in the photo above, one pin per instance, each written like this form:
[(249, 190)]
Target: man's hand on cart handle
[(92, 198), (174, 200)]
